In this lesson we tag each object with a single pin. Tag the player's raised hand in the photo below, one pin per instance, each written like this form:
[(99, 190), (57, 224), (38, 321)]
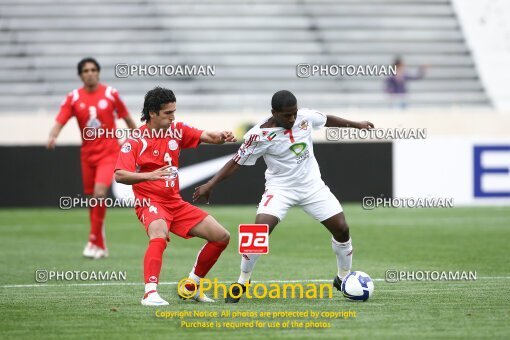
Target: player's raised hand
[(159, 174), (365, 125), (203, 190), (227, 137)]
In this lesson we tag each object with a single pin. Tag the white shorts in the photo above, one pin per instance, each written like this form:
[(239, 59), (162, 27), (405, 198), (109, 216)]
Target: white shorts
[(321, 204)]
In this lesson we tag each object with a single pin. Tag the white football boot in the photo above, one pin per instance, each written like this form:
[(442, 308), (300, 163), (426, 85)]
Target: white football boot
[(152, 298), (100, 253), (186, 294), (90, 250)]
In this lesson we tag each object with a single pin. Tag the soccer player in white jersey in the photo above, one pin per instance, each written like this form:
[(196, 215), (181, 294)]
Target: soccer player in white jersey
[(284, 140)]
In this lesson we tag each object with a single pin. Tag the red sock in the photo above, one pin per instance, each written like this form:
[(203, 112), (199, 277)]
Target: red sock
[(97, 215), (153, 260), (207, 257)]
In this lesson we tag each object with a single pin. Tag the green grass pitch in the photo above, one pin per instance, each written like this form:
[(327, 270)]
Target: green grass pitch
[(471, 239)]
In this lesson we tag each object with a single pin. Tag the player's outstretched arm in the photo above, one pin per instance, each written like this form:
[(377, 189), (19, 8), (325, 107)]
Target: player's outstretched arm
[(217, 137), (205, 190), (52, 139), (128, 177), (334, 121)]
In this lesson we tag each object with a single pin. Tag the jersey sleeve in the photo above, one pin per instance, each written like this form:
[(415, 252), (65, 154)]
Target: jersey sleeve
[(252, 148), (190, 136), (66, 110), (120, 107), (317, 119), (127, 156)]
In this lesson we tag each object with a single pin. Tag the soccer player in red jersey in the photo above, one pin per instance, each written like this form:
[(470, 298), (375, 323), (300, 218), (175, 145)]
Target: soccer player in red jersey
[(95, 106), (150, 164)]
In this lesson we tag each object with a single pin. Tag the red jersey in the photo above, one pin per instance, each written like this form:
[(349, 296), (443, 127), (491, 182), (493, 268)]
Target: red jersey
[(93, 110), (149, 154)]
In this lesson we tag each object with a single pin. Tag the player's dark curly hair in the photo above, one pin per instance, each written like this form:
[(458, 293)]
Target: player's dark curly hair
[(154, 99), (82, 63), (282, 99)]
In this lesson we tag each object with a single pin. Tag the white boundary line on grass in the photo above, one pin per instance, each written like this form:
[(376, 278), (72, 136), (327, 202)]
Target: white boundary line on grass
[(225, 282)]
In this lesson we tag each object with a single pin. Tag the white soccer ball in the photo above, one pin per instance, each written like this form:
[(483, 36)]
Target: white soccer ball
[(358, 286)]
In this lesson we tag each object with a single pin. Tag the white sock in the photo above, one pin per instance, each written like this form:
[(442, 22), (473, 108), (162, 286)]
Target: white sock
[(247, 264), (151, 286), (343, 253)]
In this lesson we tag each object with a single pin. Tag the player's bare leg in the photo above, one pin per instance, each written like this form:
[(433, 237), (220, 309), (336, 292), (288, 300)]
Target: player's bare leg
[(96, 247), (217, 238), (158, 236), (248, 261), (341, 244)]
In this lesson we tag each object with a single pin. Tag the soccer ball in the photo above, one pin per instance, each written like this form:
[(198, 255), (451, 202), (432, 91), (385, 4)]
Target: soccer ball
[(357, 286)]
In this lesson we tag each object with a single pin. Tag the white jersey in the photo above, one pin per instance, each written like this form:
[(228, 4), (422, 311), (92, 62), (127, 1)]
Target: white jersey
[(288, 153)]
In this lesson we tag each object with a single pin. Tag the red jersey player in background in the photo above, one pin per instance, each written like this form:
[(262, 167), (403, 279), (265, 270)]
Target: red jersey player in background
[(150, 164), (95, 106)]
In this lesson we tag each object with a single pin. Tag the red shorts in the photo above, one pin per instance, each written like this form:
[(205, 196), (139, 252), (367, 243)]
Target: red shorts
[(98, 172), (180, 217)]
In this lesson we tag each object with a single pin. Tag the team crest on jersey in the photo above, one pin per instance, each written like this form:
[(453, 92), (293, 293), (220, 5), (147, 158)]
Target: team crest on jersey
[(172, 144), (103, 104), (126, 148), (304, 125)]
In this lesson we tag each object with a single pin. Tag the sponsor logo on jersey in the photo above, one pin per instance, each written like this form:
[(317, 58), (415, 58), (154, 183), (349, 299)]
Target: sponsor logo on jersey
[(298, 148), (304, 125), (301, 151)]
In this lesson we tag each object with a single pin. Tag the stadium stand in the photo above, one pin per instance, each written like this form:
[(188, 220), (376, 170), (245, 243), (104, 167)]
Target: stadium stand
[(487, 34), (254, 46)]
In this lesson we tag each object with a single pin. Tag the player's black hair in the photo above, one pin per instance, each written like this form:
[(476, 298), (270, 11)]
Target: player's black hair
[(282, 99), (154, 99), (82, 63)]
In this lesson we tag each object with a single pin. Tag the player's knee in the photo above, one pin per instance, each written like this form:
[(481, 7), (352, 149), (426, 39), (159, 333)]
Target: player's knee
[(344, 227), (157, 229), (222, 236), (342, 231), (227, 236), (100, 193), (159, 235)]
